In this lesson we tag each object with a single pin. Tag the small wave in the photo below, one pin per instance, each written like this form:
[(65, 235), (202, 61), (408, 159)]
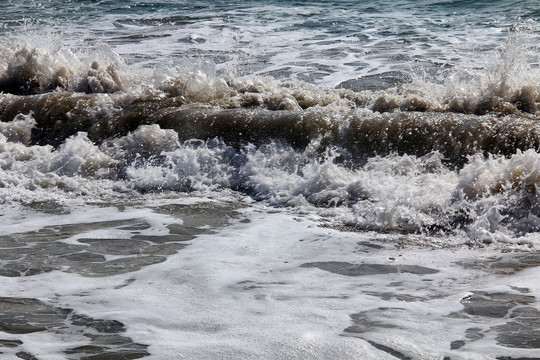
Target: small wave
[(491, 200), (360, 131)]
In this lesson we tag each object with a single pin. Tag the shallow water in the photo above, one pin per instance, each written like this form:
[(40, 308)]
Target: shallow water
[(288, 179), (267, 284)]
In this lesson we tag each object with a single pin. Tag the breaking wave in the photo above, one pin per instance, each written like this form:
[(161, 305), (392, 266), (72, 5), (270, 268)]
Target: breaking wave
[(421, 157)]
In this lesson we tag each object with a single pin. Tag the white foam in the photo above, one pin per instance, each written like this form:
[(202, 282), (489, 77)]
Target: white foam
[(397, 193), (242, 293)]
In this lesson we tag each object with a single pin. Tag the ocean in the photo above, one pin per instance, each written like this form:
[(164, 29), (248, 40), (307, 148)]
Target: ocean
[(269, 180)]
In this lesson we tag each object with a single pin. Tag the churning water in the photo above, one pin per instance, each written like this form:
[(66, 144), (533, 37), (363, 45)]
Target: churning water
[(279, 179)]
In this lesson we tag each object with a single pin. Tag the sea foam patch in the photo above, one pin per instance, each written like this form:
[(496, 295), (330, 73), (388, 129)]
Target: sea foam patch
[(268, 285)]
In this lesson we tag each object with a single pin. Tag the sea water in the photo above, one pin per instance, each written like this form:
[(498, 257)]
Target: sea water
[(279, 179)]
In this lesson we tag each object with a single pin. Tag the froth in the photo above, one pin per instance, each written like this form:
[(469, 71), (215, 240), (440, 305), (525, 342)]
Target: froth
[(18, 130), (195, 81), (411, 158), (31, 69), (489, 197), (503, 83)]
